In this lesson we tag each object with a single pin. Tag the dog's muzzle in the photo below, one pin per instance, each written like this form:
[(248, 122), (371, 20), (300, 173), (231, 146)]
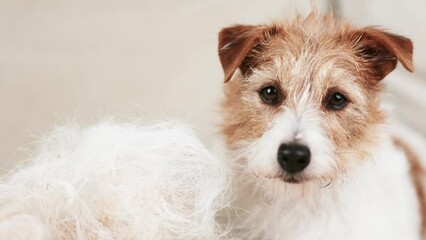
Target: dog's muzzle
[(293, 157)]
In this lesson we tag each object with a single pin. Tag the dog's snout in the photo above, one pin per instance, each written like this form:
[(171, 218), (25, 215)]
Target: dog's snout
[(293, 157)]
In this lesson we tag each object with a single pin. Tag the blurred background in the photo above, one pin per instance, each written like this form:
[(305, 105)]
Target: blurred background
[(83, 60)]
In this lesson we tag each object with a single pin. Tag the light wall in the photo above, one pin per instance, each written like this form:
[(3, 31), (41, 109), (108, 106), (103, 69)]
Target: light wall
[(86, 59)]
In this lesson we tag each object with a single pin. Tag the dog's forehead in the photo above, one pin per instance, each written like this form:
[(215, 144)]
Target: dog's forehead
[(313, 62), (310, 68)]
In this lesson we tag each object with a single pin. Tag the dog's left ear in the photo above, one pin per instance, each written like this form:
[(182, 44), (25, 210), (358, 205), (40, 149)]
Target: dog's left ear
[(383, 50), (235, 43)]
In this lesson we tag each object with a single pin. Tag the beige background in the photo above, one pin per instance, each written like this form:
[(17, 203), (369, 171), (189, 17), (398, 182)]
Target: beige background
[(83, 60)]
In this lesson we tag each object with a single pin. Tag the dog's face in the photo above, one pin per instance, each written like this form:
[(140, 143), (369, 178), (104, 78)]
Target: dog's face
[(305, 104)]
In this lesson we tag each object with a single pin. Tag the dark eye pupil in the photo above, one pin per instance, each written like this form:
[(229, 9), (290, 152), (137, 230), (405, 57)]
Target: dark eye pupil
[(337, 101), (337, 97), (270, 95), (271, 91)]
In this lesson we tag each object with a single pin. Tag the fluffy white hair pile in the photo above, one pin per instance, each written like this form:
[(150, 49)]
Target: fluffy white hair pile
[(116, 181)]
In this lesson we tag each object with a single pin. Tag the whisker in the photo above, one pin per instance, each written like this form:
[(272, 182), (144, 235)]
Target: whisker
[(329, 183)]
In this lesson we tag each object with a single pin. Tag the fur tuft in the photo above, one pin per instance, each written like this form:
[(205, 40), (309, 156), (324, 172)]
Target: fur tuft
[(116, 181)]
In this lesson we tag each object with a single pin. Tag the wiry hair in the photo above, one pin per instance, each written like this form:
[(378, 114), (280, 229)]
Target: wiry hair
[(116, 181)]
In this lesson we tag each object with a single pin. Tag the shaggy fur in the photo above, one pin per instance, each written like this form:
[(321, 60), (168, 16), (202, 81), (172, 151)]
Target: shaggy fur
[(116, 181), (358, 184)]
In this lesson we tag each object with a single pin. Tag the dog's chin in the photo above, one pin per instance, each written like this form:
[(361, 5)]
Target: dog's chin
[(293, 180), (301, 180), (297, 179), (290, 179)]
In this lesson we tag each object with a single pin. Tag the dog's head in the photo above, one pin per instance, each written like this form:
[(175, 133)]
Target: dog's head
[(302, 97)]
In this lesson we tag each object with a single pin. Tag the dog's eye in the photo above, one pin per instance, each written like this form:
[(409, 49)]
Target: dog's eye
[(336, 101), (270, 95)]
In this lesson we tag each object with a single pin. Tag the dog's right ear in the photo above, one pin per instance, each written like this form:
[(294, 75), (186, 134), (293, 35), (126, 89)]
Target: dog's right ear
[(382, 50), (235, 43)]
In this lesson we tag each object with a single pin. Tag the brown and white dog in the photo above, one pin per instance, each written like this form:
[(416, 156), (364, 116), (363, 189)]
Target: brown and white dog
[(308, 134)]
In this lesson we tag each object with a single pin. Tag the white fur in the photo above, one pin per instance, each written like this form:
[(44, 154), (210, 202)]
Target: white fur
[(302, 125), (375, 200), (116, 181)]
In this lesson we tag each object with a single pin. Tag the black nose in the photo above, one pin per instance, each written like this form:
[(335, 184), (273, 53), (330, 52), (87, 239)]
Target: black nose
[(293, 157)]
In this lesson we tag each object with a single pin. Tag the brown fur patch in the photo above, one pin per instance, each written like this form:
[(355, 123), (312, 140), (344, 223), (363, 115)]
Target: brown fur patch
[(382, 50), (418, 174)]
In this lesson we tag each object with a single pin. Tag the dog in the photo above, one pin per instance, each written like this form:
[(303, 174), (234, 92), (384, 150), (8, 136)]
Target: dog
[(312, 146)]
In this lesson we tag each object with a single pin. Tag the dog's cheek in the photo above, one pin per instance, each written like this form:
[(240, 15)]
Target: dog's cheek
[(353, 132), (246, 118), (262, 157), (237, 124), (344, 127)]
